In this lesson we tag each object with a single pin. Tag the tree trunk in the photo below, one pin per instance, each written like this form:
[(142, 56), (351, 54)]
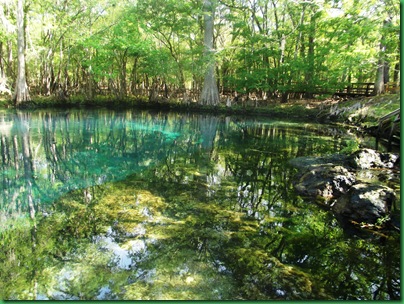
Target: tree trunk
[(210, 92), (153, 94), (133, 85), (2, 70), (300, 35), (396, 73), (122, 87), (88, 79), (9, 68), (47, 73), (380, 74), (379, 84), (21, 93), (309, 75)]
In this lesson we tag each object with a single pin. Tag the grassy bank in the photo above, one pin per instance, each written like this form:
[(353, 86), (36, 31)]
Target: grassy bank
[(363, 112), (290, 110)]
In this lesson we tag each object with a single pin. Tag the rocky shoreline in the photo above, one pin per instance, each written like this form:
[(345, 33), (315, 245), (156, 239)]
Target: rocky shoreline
[(362, 188)]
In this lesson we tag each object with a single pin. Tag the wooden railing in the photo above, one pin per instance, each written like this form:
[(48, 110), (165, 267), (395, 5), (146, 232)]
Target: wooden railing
[(389, 127), (352, 90), (357, 89)]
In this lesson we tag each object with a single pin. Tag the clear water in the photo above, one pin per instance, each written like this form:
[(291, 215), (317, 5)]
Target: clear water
[(139, 205)]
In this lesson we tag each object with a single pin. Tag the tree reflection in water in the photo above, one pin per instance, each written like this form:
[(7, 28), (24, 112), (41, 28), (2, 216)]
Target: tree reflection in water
[(171, 206)]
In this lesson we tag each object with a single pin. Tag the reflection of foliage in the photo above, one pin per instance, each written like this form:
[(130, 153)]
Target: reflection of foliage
[(12, 256), (209, 220), (73, 150), (179, 275)]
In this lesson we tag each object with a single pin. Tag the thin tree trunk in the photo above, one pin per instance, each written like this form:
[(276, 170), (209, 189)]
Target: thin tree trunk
[(59, 82), (21, 93), (2, 70), (9, 69), (300, 35), (133, 86), (123, 89), (396, 72), (210, 92), (379, 84), (380, 74), (310, 58)]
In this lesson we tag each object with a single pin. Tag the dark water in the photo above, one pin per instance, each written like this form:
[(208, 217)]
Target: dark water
[(139, 205)]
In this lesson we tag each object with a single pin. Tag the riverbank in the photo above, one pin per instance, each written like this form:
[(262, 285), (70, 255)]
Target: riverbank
[(378, 116), (361, 113), (272, 108)]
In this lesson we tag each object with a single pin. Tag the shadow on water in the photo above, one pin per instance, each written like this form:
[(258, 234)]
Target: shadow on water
[(126, 205)]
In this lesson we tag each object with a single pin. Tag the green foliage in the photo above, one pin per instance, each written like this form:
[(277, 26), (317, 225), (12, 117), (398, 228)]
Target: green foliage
[(351, 147), (126, 47)]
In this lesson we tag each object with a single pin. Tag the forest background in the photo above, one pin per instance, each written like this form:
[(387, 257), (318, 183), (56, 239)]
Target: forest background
[(161, 49)]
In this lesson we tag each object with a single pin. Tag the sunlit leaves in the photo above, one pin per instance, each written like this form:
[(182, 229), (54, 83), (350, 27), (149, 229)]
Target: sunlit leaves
[(265, 45)]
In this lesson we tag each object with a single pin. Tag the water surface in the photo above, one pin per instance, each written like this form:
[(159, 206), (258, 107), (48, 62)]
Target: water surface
[(140, 205)]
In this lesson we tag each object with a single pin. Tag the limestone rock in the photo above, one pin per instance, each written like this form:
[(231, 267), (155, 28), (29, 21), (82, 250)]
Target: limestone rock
[(354, 185), (365, 203), (368, 158), (325, 181)]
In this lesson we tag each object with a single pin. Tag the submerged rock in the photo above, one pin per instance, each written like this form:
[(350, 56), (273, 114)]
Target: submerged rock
[(305, 163), (350, 183), (368, 158), (365, 203), (325, 181)]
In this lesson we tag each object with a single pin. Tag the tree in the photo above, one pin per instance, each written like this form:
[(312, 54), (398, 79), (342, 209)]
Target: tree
[(210, 92), (6, 34), (388, 45), (172, 24), (257, 48), (21, 93), (381, 71)]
